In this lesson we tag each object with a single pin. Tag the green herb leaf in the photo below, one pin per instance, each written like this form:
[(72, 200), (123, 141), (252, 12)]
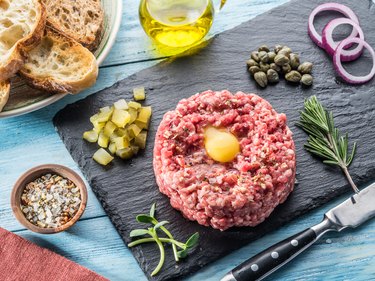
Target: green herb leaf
[(160, 224), (145, 219), (138, 232), (192, 241), (152, 231), (182, 254), (152, 210), (324, 139)]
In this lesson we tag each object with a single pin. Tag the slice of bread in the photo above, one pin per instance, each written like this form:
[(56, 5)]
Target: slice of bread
[(81, 20), (21, 27), (4, 93), (60, 65)]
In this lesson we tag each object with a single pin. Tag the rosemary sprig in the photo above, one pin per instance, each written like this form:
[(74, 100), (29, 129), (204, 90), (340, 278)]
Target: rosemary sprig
[(324, 139), (154, 237)]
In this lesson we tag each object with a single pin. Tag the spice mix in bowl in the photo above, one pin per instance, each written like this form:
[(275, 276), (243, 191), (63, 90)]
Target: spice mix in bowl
[(49, 198)]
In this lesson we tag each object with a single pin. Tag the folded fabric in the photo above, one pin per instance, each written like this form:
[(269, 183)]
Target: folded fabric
[(21, 260)]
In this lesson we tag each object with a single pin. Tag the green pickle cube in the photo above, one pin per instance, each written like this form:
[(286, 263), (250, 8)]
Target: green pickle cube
[(102, 157)]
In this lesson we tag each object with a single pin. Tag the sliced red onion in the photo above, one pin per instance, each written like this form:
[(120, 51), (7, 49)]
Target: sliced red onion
[(341, 70), (330, 45), (330, 7)]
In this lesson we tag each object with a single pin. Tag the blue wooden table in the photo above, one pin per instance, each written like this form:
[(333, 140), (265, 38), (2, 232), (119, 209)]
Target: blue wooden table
[(93, 242)]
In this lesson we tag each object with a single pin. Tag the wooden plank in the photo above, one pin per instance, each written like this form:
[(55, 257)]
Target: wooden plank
[(132, 44), (94, 244), (346, 256)]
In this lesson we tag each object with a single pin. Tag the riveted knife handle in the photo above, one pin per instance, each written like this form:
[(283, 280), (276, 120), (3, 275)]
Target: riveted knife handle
[(266, 262)]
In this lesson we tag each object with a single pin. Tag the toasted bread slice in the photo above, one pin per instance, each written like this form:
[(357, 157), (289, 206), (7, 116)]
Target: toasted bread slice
[(4, 93), (81, 20), (21, 27), (60, 65)]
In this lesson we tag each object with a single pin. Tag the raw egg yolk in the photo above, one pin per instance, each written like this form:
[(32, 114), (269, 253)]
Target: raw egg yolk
[(220, 144)]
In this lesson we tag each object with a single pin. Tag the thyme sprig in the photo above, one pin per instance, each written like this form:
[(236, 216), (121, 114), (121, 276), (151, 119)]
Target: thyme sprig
[(325, 140), (154, 237)]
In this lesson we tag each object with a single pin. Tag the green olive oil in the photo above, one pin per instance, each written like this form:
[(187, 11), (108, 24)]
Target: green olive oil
[(176, 23)]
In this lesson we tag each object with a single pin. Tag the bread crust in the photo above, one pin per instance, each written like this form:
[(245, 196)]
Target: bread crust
[(90, 41), (19, 51), (53, 84), (4, 93), (33, 39)]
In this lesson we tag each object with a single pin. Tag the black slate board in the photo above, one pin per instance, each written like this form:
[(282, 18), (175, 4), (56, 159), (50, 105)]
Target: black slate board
[(128, 188)]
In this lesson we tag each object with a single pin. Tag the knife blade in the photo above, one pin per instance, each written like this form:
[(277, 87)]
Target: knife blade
[(351, 213)]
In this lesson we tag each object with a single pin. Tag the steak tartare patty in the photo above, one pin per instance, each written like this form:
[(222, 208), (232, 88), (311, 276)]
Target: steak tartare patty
[(243, 192)]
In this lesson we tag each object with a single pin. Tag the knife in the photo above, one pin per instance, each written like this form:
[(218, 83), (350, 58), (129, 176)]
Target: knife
[(351, 213)]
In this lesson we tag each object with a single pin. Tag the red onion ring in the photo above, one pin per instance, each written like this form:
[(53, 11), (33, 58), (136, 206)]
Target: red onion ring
[(341, 70), (330, 45), (330, 7)]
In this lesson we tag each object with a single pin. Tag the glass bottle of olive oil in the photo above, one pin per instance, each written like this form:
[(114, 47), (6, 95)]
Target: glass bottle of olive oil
[(176, 23)]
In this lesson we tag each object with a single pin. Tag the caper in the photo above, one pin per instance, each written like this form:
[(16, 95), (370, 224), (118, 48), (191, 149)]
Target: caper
[(286, 51), (272, 76), (264, 48), (254, 69), (271, 56), (305, 68), (255, 56), (293, 76), (261, 78), (275, 67), (286, 68), (307, 80), (251, 63), (294, 60), (281, 59), (263, 56), (264, 66), (278, 48)]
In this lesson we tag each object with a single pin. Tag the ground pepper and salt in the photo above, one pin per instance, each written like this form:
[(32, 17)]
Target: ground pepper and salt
[(50, 201)]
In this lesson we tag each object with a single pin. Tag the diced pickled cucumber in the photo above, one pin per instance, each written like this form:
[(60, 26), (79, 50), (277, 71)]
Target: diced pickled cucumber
[(120, 117), (121, 104), (102, 157), (113, 136), (121, 142), (135, 149), (103, 140), (109, 128), (90, 136), (133, 130), (141, 125), (112, 147), (125, 153), (98, 127), (135, 105), (140, 140), (104, 116), (144, 114), (139, 93), (133, 115), (120, 128), (106, 109), (121, 132)]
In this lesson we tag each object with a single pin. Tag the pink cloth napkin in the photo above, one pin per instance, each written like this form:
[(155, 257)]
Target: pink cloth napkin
[(21, 260)]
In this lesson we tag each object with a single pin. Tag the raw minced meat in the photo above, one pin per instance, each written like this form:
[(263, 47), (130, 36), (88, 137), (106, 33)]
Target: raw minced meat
[(243, 192)]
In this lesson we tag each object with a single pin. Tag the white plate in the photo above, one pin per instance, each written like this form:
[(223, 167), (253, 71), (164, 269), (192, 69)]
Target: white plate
[(23, 99)]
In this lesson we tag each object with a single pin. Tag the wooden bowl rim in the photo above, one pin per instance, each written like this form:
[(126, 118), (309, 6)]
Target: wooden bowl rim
[(36, 172)]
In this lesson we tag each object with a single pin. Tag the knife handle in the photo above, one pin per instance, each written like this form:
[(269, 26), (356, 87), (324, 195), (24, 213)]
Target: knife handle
[(266, 262)]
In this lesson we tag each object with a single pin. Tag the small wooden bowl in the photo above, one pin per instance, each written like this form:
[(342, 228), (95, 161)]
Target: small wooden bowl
[(32, 175)]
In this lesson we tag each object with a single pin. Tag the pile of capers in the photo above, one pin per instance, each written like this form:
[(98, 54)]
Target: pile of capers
[(266, 66)]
